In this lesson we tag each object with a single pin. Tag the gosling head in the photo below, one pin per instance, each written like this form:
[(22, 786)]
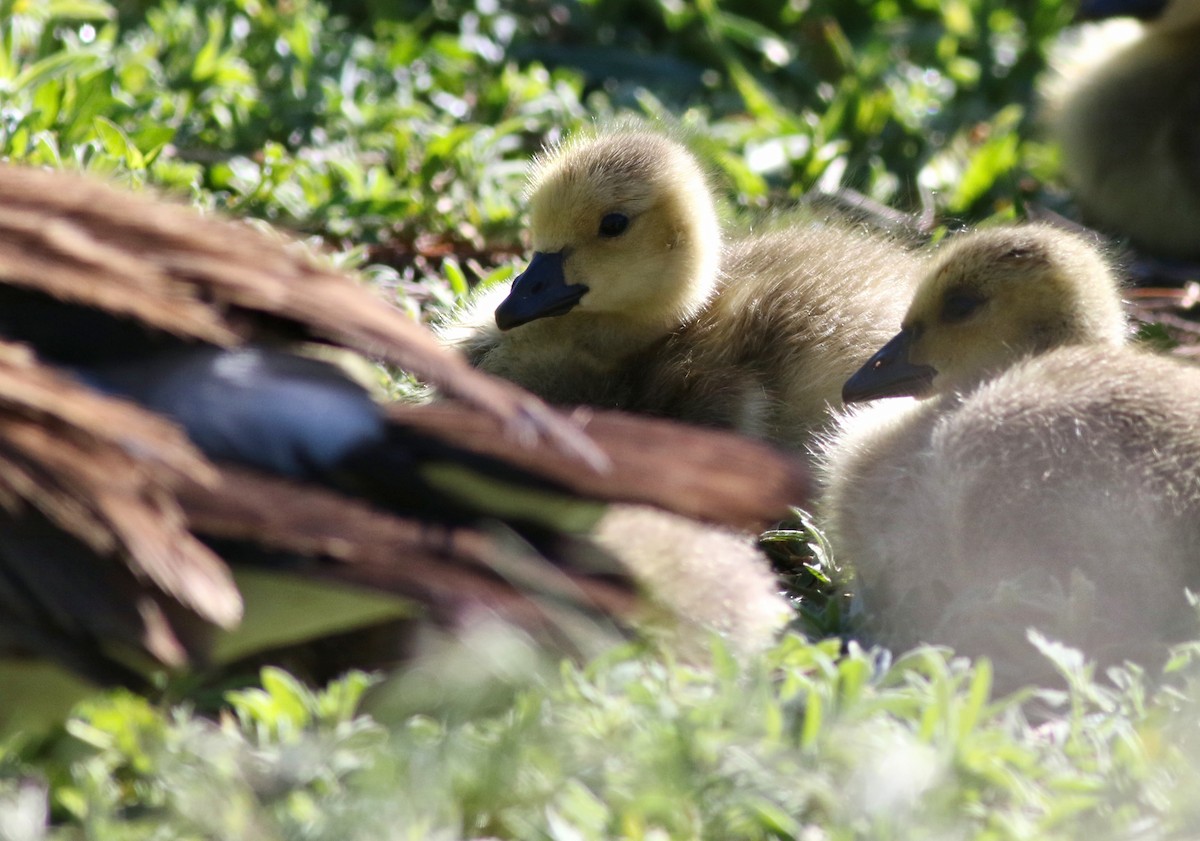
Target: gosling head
[(990, 299), (622, 224)]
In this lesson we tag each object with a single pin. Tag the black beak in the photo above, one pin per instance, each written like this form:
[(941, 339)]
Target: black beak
[(1098, 9), (539, 292), (889, 373)]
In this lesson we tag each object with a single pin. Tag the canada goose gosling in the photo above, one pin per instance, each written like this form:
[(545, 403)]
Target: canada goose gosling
[(633, 301), (1129, 127)]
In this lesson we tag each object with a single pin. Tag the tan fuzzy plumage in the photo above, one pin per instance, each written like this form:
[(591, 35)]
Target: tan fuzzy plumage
[(698, 579), (1049, 480), (753, 333)]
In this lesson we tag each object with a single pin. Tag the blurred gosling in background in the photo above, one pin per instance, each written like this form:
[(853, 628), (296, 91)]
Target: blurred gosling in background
[(1128, 122)]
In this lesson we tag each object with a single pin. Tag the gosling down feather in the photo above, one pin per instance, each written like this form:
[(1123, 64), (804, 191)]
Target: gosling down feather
[(1048, 477), (170, 468), (1129, 128), (633, 300)]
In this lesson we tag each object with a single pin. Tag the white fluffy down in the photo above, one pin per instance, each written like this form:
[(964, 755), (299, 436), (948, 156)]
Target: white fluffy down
[(1062, 493)]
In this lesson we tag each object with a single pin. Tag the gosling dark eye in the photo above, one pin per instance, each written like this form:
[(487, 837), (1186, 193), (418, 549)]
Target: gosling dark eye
[(613, 225), (958, 306)]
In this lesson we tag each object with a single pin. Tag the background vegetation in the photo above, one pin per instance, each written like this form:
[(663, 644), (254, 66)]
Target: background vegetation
[(397, 135)]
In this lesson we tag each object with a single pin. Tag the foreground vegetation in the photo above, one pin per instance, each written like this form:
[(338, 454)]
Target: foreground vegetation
[(801, 744), (397, 136)]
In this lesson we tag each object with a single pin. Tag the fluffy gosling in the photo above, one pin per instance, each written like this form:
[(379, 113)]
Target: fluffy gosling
[(1049, 476), (634, 300), (1129, 128)]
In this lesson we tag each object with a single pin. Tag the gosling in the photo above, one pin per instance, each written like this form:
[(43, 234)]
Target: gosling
[(634, 300), (1049, 475), (1129, 129)]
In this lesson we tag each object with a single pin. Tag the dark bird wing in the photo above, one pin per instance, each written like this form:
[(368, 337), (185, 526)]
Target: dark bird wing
[(105, 472), (701, 473), (444, 572), (424, 503)]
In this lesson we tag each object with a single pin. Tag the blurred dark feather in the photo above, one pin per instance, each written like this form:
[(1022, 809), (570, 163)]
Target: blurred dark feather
[(697, 472)]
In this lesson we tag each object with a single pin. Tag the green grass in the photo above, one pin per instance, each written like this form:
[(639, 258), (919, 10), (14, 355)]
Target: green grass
[(397, 136), (804, 743)]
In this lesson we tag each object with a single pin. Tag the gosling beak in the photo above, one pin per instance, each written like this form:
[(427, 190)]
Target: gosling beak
[(539, 292), (889, 373), (1099, 9)]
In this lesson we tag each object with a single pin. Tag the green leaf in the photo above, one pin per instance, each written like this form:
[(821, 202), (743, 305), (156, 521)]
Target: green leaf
[(80, 9), (57, 66), (117, 144), (977, 697), (457, 280), (813, 714)]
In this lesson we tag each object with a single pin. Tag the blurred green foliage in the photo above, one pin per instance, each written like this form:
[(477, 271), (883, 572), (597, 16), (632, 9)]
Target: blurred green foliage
[(807, 742), (407, 122)]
